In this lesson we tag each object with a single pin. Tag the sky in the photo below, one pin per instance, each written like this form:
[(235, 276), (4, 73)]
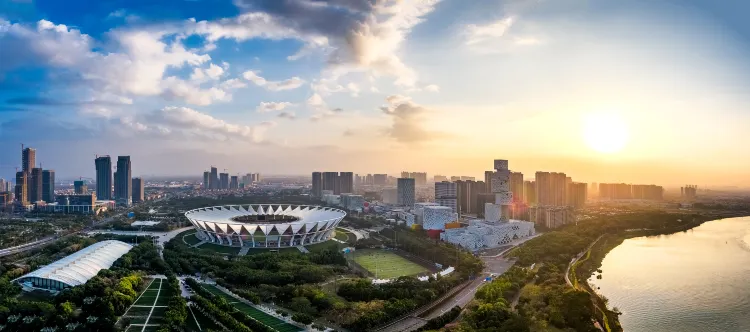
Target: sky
[(381, 86)]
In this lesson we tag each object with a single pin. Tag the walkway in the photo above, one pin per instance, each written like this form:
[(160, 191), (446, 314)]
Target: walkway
[(243, 251), (358, 234), (303, 250)]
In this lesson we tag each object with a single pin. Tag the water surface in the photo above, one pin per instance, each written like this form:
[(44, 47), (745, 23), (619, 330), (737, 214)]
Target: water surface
[(693, 281)]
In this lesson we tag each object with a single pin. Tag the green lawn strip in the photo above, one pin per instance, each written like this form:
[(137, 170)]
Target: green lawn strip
[(253, 312), (191, 239), (386, 265), (219, 248), (256, 251), (134, 328), (324, 245), (151, 329), (138, 311), (205, 322), (157, 317)]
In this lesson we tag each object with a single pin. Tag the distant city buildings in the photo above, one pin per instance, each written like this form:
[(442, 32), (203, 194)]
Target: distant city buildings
[(80, 187), (35, 185), (223, 181), (138, 190), (577, 194), (103, 177), (124, 182), (689, 192), (234, 182), (551, 189), (622, 191), (446, 194), (440, 178), (337, 183), (206, 180), (420, 178), (406, 195), (214, 181), (48, 185)]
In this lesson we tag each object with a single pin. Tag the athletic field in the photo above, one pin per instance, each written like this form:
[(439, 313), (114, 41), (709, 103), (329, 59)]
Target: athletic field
[(386, 265)]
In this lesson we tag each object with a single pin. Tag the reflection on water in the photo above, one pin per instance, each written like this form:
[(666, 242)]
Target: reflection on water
[(698, 280)]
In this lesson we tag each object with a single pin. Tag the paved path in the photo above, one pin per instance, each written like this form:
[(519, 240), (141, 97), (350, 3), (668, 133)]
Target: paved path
[(358, 234), (162, 237), (575, 259), (303, 250), (243, 251)]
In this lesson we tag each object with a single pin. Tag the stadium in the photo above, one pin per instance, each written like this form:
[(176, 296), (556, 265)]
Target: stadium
[(265, 225)]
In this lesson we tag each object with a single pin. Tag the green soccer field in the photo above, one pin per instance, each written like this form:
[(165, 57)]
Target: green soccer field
[(385, 264)]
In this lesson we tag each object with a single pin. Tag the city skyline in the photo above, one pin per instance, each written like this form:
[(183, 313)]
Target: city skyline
[(589, 97)]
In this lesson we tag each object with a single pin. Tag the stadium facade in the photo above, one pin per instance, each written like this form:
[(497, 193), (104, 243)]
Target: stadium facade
[(265, 225)]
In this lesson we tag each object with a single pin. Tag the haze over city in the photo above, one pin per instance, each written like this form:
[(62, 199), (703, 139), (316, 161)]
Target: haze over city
[(609, 91)]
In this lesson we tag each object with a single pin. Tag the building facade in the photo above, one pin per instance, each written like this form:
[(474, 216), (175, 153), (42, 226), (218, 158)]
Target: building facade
[(206, 180), (48, 185), (138, 190), (214, 178), (446, 194), (80, 187), (406, 192), (223, 181), (104, 178), (124, 182), (35, 185)]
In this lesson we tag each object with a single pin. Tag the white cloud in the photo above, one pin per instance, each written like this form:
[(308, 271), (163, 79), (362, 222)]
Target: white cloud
[(177, 88), (287, 84), (432, 88), (213, 72), (186, 122), (315, 101), (408, 125), (233, 83), (265, 107), (498, 36)]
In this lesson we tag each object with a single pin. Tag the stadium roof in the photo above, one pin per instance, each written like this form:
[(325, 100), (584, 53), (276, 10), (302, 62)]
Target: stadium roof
[(77, 268)]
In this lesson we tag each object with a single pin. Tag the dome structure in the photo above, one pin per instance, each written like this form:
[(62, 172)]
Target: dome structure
[(265, 225)]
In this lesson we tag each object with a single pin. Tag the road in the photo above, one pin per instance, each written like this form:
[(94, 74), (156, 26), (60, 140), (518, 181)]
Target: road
[(27, 246), (575, 259), (161, 237)]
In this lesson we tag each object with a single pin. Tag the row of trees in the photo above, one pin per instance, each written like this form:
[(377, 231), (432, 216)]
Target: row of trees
[(176, 314), (223, 311)]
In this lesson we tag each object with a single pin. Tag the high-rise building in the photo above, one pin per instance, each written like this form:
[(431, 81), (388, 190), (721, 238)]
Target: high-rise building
[(689, 192), (103, 178), (440, 178), (48, 185), (206, 180), (516, 186), (551, 189), (577, 194), (389, 195), (224, 181), (3, 185), (346, 183), (420, 178), (22, 195), (488, 180), (80, 187), (446, 194), (256, 177), (380, 179), (317, 184), (482, 200), (406, 175), (529, 192), (234, 182), (139, 188), (406, 192), (124, 181), (467, 192), (331, 182), (455, 178), (35, 185), (28, 159), (468, 178), (501, 210), (214, 183)]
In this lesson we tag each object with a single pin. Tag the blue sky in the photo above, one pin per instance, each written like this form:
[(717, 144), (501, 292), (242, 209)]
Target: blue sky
[(444, 86)]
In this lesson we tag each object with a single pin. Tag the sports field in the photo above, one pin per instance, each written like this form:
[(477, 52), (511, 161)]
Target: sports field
[(147, 313), (258, 315), (385, 264)]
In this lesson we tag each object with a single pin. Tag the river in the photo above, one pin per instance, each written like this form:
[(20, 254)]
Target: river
[(692, 281)]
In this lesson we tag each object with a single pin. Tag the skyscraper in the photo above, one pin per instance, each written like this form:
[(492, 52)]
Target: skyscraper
[(234, 182), (406, 192), (488, 180), (330, 181), (124, 181), (214, 178), (346, 183), (80, 187), (551, 188), (501, 210), (48, 185), (223, 181), (22, 195), (446, 194), (206, 180), (35, 185), (138, 190), (103, 178), (317, 184), (529, 192), (28, 159), (516, 186)]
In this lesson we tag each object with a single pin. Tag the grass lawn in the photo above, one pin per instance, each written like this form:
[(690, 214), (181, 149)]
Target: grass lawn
[(219, 248), (191, 239), (205, 322), (342, 235), (258, 315), (385, 264), (324, 245)]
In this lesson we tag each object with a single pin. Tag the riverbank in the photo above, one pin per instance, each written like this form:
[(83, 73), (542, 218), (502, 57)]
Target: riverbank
[(590, 265)]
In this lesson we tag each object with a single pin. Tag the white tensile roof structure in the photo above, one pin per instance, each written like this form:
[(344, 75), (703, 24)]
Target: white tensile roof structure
[(77, 268), (307, 224)]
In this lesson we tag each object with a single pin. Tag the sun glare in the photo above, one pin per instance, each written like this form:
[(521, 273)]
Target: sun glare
[(605, 132)]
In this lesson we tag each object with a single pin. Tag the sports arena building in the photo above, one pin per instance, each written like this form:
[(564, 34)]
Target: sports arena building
[(265, 225)]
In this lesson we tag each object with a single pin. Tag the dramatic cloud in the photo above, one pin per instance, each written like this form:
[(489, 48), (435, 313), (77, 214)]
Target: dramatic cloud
[(192, 123), (266, 107), (288, 84), (408, 120)]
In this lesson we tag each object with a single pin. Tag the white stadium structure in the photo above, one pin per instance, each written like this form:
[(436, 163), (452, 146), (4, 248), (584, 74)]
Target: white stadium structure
[(265, 225), (75, 269)]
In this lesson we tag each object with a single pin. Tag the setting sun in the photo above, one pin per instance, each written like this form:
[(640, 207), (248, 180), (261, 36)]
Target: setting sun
[(605, 132)]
